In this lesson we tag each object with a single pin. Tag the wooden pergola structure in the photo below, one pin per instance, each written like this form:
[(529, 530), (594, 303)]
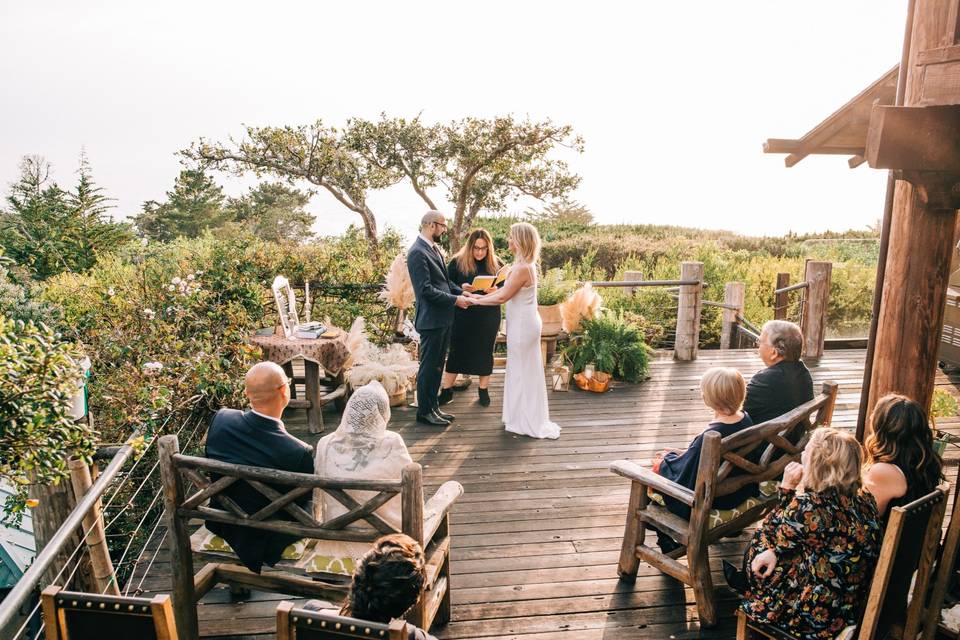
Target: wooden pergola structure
[(907, 122)]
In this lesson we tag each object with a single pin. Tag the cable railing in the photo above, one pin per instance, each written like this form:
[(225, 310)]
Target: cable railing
[(115, 488)]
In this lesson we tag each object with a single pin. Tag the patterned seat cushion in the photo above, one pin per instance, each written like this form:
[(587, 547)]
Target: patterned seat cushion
[(205, 541), (334, 557), (722, 516)]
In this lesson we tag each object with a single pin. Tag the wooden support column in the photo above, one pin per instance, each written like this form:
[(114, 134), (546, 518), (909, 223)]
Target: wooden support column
[(815, 303), (733, 295), (918, 142), (688, 312), (914, 294), (103, 576), (781, 300)]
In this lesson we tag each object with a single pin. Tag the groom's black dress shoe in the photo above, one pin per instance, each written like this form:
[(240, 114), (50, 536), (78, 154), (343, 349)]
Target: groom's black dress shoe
[(449, 417), (433, 420)]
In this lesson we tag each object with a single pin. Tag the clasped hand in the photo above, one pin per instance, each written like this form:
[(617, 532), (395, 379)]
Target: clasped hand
[(466, 300)]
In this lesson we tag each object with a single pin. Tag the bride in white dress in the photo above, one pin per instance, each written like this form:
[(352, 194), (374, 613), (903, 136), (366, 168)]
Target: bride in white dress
[(525, 409)]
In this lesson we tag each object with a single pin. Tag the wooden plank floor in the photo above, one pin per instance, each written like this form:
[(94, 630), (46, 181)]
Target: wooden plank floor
[(538, 530)]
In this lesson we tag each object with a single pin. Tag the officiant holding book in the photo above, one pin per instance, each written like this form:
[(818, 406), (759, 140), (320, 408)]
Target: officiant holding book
[(475, 269)]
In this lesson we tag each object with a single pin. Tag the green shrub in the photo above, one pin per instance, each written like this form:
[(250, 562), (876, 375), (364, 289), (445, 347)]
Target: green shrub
[(553, 289), (38, 377), (613, 344)]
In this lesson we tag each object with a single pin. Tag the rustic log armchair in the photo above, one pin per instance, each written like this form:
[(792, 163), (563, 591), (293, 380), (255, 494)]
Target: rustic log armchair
[(297, 577), (69, 615), (300, 624), (924, 517), (778, 442)]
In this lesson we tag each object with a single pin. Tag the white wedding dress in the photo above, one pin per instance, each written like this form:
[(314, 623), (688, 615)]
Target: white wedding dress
[(525, 410)]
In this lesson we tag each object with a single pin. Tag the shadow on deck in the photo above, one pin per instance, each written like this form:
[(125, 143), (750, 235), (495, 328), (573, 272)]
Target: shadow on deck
[(537, 532)]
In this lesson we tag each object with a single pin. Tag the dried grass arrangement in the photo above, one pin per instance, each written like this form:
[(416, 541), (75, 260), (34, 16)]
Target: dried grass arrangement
[(398, 289), (393, 365), (582, 303)]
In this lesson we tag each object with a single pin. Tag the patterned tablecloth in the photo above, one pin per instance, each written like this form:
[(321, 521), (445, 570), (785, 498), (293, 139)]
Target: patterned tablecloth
[(329, 353)]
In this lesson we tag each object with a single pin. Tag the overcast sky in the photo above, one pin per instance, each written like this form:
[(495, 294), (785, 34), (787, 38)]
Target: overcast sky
[(673, 99)]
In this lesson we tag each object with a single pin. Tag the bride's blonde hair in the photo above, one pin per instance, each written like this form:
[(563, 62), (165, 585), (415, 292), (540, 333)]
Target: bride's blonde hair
[(527, 239)]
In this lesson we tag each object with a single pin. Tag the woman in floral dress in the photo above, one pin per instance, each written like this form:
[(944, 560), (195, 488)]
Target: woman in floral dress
[(811, 561)]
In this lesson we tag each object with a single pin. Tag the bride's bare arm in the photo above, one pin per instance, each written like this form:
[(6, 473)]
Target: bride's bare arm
[(517, 279)]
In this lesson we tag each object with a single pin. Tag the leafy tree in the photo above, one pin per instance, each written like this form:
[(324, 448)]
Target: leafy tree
[(275, 212), (195, 204), (38, 374), (49, 230), (314, 153), (486, 164)]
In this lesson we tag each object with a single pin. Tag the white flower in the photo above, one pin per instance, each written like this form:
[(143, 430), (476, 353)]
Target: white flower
[(199, 273), (151, 368), (143, 242), (190, 277), (110, 291), (176, 281), (148, 314), (170, 287)]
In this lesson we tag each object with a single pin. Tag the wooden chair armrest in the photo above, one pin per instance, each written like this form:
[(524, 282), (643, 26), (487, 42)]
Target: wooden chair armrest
[(437, 507), (648, 478)]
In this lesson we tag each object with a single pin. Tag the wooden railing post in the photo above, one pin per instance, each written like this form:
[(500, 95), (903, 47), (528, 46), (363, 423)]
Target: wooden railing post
[(104, 578), (688, 312), (814, 322), (54, 504), (632, 276), (781, 300), (181, 555), (733, 295)]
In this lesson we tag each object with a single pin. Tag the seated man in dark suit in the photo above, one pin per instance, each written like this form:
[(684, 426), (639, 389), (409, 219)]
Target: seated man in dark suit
[(256, 437), (786, 383)]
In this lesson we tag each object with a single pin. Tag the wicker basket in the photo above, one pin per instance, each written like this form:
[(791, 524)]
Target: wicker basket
[(599, 382), (399, 397)]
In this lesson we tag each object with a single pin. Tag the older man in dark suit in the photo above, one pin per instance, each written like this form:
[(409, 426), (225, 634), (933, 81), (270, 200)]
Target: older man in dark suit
[(436, 297), (257, 437), (786, 383)]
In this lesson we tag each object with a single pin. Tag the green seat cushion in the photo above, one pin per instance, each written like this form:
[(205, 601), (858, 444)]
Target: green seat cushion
[(718, 517), (334, 557)]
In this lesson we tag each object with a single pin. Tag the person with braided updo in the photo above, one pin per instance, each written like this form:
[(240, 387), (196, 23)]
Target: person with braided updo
[(387, 582)]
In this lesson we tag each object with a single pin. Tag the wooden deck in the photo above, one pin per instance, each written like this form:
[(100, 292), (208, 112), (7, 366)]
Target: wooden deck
[(538, 530)]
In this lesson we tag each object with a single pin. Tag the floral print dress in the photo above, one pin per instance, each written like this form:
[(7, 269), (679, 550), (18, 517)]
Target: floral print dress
[(826, 544)]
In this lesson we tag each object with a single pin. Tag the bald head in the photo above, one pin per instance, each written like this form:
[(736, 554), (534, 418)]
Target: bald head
[(432, 216), (265, 385)]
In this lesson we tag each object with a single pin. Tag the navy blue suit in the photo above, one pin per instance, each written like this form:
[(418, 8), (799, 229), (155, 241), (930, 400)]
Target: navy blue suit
[(240, 437), (436, 299)]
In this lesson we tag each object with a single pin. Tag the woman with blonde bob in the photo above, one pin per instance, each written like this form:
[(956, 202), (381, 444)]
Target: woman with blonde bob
[(809, 564), (475, 328), (525, 409)]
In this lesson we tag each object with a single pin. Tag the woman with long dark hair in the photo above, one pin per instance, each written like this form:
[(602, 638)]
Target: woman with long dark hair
[(475, 328), (901, 464)]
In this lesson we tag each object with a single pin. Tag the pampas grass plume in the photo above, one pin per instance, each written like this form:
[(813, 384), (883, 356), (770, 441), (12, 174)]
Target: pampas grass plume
[(582, 303), (398, 288)]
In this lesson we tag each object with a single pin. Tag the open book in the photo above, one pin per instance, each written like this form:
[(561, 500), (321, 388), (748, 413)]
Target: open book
[(482, 283)]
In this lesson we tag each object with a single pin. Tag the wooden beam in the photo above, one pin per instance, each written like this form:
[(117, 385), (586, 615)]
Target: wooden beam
[(915, 138)]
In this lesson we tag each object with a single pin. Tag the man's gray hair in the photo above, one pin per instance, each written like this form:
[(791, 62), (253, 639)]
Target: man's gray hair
[(785, 337), (432, 216)]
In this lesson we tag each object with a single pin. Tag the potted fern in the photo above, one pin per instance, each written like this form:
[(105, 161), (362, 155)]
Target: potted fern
[(552, 290), (613, 345)]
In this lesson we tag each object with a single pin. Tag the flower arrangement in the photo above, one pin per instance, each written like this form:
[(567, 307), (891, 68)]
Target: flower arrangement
[(582, 303)]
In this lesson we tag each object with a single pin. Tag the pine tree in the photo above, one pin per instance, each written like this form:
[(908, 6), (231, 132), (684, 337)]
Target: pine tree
[(193, 205)]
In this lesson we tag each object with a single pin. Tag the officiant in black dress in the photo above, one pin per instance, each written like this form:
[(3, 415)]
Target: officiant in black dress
[(475, 328)]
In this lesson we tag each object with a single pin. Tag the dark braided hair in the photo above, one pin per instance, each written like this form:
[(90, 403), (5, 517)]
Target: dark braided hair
[(388, 580)]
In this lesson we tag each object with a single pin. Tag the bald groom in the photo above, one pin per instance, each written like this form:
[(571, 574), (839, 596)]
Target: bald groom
[(257, 437)]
